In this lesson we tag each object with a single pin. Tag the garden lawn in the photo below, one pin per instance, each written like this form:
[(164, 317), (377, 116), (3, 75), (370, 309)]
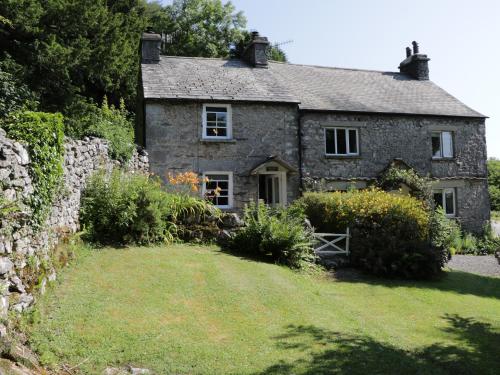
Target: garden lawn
[(195, 310)]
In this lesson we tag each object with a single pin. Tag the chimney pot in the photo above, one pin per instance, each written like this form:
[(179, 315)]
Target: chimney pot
[(408, 51), (415, 47)]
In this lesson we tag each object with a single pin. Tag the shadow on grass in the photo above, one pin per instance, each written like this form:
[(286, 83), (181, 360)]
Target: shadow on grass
[(450, 281), (330, 352)]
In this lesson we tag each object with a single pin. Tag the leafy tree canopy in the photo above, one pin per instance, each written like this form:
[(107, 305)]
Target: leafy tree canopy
[(66, 50), (69, 48), (204, 28)]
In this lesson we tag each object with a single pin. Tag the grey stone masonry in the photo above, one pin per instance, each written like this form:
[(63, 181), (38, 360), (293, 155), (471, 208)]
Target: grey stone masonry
[(383, 138), (174, 142), (280, 114), (20, 244)]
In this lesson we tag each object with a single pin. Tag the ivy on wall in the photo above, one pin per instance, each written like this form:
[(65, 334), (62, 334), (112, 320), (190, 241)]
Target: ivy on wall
[(395, 175), (43, 135)]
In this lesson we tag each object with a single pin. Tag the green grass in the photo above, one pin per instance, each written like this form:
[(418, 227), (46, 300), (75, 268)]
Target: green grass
[(195, 310)]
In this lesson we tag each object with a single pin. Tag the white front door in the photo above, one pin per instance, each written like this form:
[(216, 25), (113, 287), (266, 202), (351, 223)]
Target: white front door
[(272, 188)]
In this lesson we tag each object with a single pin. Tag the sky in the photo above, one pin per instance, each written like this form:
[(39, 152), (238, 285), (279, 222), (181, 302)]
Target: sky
[(462, 39)]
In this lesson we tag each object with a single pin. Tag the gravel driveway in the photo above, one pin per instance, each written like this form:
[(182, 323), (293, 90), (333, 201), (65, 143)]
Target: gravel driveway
[(486, 265)]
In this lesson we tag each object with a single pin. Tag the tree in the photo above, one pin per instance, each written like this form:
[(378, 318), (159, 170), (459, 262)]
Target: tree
[(494, 183), (205, 28), (14, 93), (274, 52), (70, 48)]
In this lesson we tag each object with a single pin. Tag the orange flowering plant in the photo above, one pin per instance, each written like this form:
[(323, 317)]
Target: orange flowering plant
[(191, 182), (187, 180)]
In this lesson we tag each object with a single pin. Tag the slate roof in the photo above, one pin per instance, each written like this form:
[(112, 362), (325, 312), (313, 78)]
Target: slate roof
[(311, 87)]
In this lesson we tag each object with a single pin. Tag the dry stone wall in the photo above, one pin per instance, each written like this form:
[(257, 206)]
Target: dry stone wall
[(24, 250)]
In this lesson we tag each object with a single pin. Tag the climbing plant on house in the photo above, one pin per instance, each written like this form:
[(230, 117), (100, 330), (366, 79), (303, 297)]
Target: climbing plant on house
[(394, 176), (42, 134)]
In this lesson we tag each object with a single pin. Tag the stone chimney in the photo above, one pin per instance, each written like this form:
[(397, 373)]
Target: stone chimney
[(415, 65), (255, 53), (150, 48)]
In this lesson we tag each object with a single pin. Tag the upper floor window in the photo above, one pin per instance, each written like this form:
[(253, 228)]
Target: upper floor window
[(218, 188), (341, 141), (217, 121), (442, 145), (445, 198)]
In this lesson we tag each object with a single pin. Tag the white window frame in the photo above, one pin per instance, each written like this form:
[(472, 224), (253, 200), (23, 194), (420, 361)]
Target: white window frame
[(229, 187), (443, 203), (441, 143), (335, 128), (229, 121)]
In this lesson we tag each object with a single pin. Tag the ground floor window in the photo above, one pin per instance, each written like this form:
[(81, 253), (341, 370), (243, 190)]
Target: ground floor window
[(445, 198), (218, 188)]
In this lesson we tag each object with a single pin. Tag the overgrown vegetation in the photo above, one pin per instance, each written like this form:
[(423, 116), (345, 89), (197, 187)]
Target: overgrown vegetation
[(447, 234), (114, 124), (123, 208), (393, 177), (390, 233), (494, 183), (43, 135), (66, 49), (275, 233), (14, 93)]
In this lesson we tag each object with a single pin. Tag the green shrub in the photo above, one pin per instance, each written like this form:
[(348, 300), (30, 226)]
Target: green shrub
[(467, 244), (494, 183), (124, 208), (390, 232), (113, 124), (445, 232), (275, 233), (488, 243), (14, 93), (495, 197), (43, 135), (393, 177)]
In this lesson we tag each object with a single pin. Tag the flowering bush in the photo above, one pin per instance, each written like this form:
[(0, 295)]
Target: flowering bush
[(390, 233), (190, 182), (124, 208)]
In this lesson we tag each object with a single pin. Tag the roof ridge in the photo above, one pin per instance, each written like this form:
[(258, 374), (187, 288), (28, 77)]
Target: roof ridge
[(281, 63), (336, 67), (197, 57)]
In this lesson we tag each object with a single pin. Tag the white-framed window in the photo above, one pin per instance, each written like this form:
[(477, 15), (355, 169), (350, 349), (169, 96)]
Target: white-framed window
[(217, 121), (442, 145), (218, 188), (445, 198), (341, 141)]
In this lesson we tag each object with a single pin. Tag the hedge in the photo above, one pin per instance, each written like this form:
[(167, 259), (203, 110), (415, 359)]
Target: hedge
[(390, 232)]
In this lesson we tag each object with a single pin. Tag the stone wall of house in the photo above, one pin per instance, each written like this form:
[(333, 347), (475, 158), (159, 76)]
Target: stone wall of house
[(383, 138), (24, 250), (174, 143)]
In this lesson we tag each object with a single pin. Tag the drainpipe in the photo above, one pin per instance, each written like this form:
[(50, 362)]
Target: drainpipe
[(301, 174)]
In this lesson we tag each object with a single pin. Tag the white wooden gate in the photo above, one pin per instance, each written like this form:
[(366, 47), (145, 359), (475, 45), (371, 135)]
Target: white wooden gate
[(330, 243)]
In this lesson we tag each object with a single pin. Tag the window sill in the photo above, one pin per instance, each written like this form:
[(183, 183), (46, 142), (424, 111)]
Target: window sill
[(214, 140), (444, 159), (342, 156)]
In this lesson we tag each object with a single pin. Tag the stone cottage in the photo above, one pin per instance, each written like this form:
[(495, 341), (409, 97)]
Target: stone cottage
[(259, 129)]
